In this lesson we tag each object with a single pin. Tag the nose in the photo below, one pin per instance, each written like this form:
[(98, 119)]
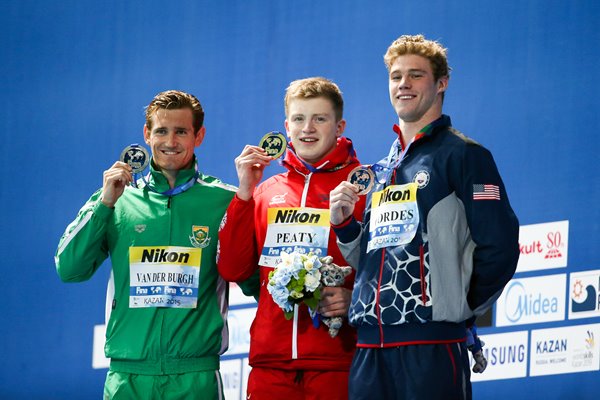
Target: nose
[(171, 140), (308, 125), (404, 83)]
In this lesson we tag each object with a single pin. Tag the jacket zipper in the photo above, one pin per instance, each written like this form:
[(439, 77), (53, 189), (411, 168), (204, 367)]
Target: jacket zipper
[(377, 300), (296, 308), (422, 273)]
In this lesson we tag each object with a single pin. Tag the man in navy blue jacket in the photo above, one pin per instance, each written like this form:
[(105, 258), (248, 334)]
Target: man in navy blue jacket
[(438, 242)]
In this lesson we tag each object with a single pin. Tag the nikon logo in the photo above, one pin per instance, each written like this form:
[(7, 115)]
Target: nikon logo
[(394, 195), (295, 216), (161, 255)]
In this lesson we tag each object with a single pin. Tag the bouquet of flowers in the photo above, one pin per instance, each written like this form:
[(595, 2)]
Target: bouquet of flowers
[(296, 280)]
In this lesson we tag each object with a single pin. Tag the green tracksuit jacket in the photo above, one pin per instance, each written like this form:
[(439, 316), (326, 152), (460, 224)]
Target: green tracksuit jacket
[(148, 339)]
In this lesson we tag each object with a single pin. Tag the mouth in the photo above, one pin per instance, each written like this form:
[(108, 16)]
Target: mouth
[(309, 140), (406, 96), (169, 152)]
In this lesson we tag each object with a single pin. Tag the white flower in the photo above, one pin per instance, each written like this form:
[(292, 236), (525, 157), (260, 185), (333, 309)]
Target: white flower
[(312, 282)]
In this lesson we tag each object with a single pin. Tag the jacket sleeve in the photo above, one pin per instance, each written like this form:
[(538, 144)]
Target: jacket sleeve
[(492, 223), (238, 256), (251, 286), (83, 247), (349, 234)]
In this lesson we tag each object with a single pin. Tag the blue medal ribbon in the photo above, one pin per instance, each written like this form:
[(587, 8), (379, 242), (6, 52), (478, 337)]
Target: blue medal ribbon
[(173, 191)]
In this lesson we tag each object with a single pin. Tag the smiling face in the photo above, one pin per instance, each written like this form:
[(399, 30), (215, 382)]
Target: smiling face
[(414, 93), (312, 127), (172, 140)]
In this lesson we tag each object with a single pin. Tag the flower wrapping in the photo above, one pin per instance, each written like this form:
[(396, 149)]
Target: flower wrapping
[(296, 280)]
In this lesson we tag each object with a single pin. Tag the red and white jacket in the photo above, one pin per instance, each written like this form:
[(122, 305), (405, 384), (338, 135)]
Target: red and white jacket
[(274, 341)]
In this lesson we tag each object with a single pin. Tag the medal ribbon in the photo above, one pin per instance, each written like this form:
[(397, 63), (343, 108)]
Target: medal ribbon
[(396, 154), (177, 189)]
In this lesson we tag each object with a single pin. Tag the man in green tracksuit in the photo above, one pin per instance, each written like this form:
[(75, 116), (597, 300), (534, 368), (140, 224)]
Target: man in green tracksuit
[(167, 325)]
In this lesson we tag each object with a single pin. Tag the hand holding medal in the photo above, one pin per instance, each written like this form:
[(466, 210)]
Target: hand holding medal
[(363, 178)]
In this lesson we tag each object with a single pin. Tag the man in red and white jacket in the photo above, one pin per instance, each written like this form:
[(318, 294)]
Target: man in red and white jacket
[(292, 359)]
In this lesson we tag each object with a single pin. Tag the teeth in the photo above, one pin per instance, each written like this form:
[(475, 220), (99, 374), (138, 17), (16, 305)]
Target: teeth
[(308, 140), (406, 97)]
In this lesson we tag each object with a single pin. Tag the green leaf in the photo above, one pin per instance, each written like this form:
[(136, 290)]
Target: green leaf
[(312, 303)]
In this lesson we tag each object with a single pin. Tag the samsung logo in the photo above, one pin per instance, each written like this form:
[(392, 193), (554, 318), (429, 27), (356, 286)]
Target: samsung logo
[(505, 354)]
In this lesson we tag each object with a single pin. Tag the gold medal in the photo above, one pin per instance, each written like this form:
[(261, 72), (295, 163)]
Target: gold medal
[(274, 144)]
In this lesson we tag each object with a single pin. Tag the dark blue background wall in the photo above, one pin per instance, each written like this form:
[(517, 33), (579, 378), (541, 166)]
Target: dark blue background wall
[(75, 76)]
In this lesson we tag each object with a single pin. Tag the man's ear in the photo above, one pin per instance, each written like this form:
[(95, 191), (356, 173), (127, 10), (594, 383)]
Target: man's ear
[(340, 126), (146, 134), (200, 136), (443, 84)]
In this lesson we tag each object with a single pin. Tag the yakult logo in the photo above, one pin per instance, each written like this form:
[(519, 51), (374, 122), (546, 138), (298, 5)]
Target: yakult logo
[(543, 246)]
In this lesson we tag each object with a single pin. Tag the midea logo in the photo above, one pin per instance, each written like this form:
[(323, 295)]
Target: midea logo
[(521, 304)]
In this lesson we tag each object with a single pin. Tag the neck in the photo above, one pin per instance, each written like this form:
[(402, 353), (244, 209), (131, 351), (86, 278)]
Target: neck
[(410, 129), (171, 177)]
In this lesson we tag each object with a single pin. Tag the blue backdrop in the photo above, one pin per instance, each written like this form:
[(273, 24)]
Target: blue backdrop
[(76, 75)]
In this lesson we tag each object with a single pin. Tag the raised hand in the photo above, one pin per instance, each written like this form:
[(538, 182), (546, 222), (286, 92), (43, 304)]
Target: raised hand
[(250, 165), (115, 179)]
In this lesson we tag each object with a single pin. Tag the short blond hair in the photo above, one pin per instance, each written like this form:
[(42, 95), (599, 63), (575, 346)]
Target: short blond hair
[(417, 44), (310, 88), (176, 100)]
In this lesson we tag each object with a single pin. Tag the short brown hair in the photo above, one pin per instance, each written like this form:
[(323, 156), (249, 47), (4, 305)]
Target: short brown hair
[(176, 100), (310, 88), (417, 44)]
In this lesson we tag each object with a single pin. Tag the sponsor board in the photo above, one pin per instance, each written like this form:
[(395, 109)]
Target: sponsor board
[(231, 375), (234, 374), (99, 361), (237, 297), (506, 354), (543, 246), (532, 300), (565, 350), (239, 322), (584, 294)]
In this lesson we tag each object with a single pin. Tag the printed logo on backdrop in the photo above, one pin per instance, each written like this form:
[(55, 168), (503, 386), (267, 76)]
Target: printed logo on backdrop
[(231, 378), (543, 246), (532, 300), (584, 294), (565, 350), (506, 354), (239, 322)]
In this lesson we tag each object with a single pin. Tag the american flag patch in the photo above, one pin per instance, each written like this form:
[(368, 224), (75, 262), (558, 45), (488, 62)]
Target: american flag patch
[(486, 192)]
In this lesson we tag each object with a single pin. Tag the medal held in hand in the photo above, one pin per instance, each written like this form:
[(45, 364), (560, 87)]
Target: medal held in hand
[(363, 177), (136, 156), (274, 144)]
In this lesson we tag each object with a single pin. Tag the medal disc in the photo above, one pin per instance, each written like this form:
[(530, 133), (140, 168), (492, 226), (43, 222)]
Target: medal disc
[(274, 144), (136, 156), (363, 178)]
